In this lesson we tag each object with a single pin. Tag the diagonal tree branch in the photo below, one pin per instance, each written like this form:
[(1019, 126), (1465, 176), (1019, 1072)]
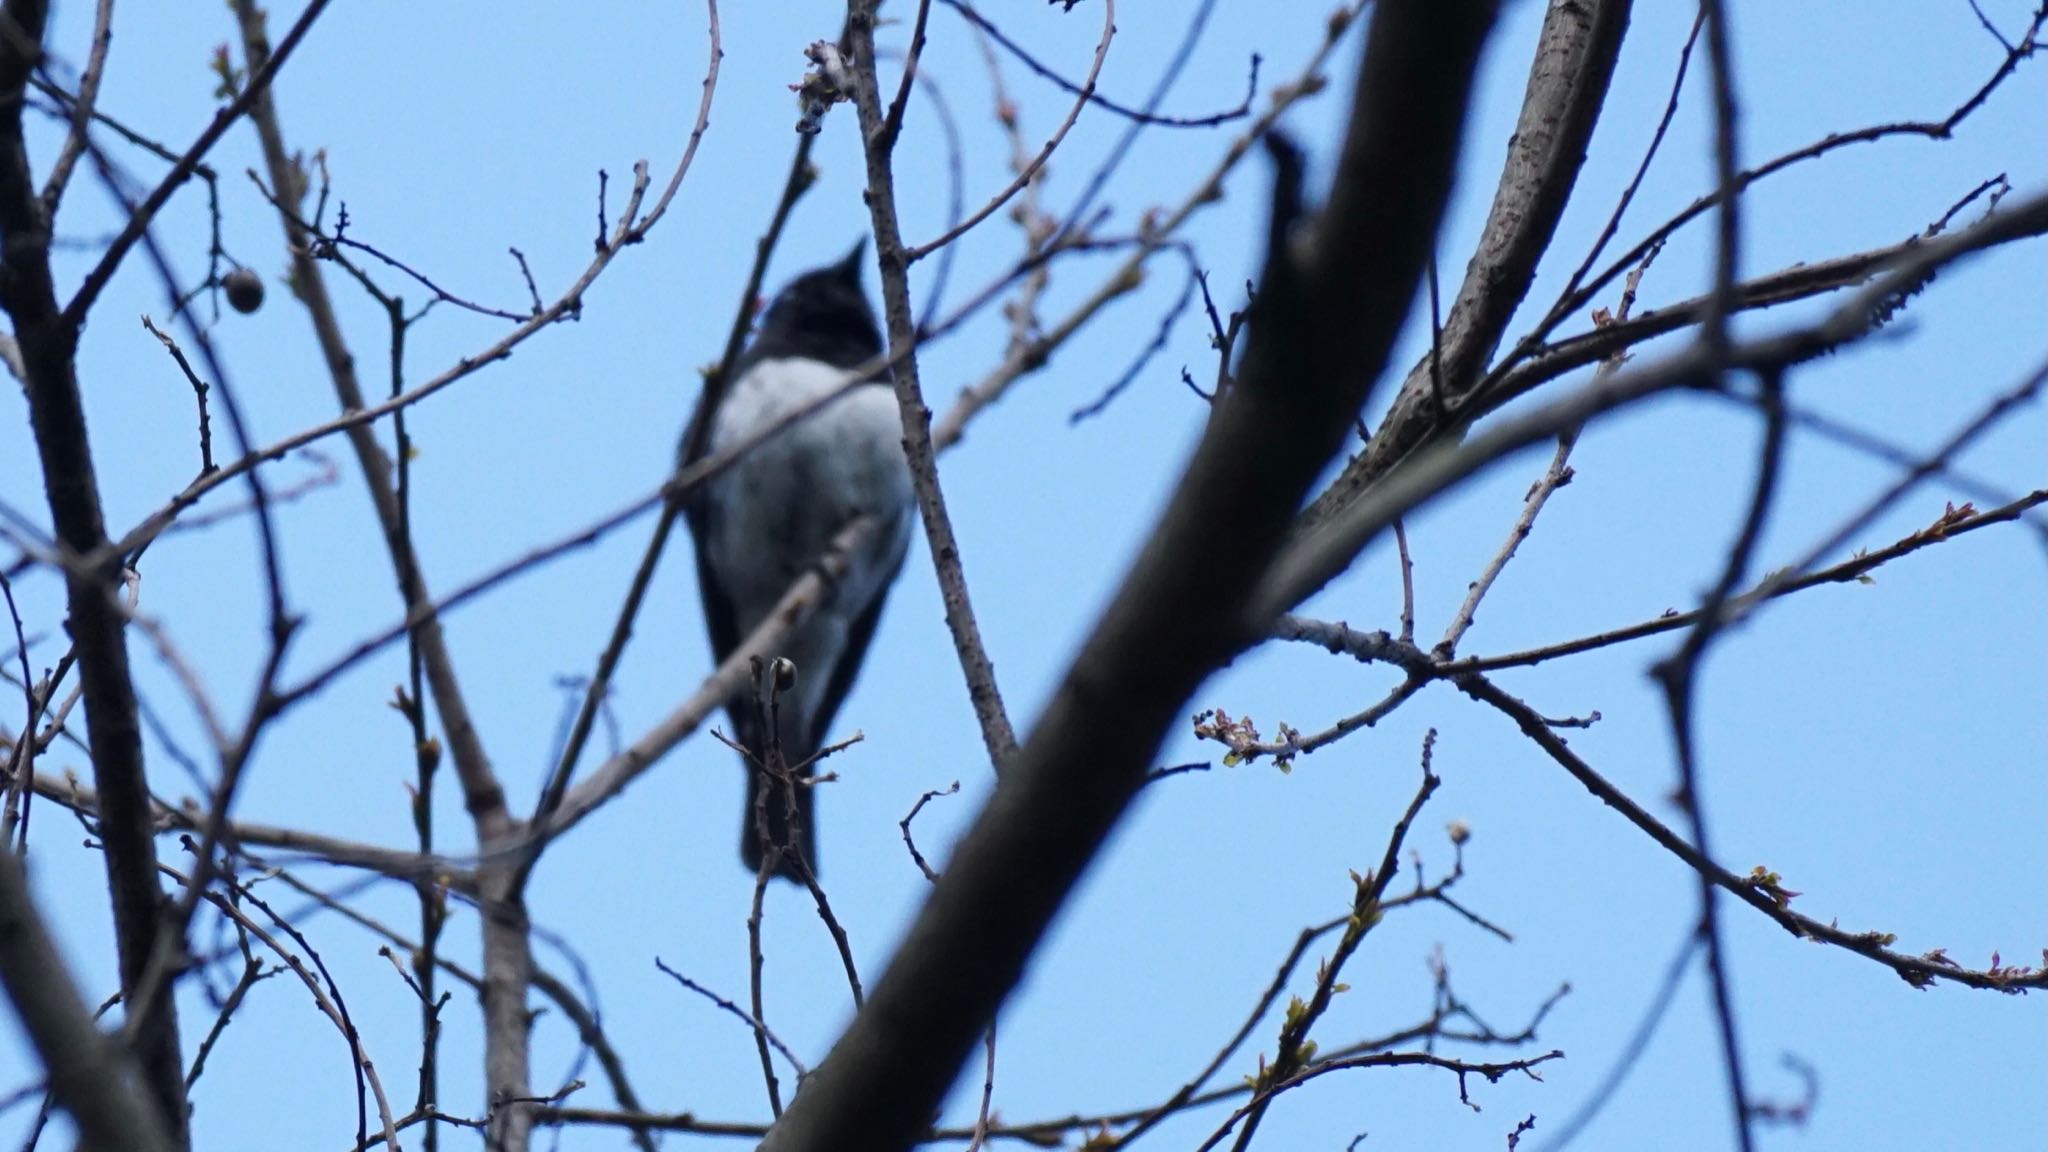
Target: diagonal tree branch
[(879, 137), (256, 89), (1312, 355), (1312, 560), (1919, 971), (1797, 282), (1575, 55), (81, 110), (86, 1069)]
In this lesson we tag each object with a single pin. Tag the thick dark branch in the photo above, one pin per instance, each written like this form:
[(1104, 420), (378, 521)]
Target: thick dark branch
[(1575, 55), (85, 1067), (48, 341), (1312, 356)]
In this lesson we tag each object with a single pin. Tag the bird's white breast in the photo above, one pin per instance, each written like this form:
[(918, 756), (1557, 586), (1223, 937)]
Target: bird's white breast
[(777, 509), (852, 447)]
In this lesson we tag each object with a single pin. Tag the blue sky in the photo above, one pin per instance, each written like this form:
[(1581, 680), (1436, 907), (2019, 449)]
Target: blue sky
[(1879, 745)]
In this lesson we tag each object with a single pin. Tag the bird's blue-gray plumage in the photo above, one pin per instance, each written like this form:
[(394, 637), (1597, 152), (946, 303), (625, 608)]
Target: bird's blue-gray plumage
[(765, 521)]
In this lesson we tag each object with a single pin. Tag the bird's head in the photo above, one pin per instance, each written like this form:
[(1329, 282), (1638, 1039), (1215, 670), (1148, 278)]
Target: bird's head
[(826, 308)]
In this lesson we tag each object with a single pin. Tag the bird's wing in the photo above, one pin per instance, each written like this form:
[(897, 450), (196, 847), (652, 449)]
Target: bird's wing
[(720, 619), (701, 513), (858, 637), (718, 610)]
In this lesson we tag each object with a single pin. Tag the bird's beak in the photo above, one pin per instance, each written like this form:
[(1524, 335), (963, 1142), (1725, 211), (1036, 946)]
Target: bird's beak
[(849, 268)]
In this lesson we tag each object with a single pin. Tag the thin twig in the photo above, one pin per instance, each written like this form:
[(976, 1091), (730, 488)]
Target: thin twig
[(82, 109), (1632, 1052), (865, 95), (254, 90), (1139, 116), (1919, 971), (199, 388), (760, 1029), (1855, 569)]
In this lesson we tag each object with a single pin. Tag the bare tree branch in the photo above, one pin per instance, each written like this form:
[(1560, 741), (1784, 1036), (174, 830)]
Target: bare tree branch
[(1311, 358), (1315, 558), (1920, 971), (86, 1069), (997, 734), (393, 862), (508, 959), (76, 138), (255, 89), (48, 340), (1575, 55)]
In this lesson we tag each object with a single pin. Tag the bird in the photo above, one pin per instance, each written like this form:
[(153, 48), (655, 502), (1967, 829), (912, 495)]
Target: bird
[(770, 518)]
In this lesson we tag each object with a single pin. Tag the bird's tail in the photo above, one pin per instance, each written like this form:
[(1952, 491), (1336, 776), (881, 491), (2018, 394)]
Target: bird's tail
[(778, 812)]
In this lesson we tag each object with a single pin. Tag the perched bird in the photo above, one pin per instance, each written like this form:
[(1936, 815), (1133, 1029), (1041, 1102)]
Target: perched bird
[(765, 521)]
